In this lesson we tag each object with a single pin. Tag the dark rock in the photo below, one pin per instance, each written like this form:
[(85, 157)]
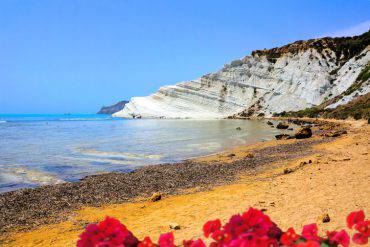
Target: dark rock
[(335, 133), (113, 108), (238, 128), (304, 132), (289, 128), (156, 197), (287, 170), (231, 155), (282, 125), (249, 155), (283, 137), (325, 218), (174, 226), (269, 123)]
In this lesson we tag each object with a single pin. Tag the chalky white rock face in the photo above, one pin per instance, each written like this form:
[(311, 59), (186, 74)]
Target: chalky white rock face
[(364, 89), (255, 85)]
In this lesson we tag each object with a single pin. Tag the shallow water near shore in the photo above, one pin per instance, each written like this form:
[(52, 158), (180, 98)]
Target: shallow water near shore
[(48, 149)]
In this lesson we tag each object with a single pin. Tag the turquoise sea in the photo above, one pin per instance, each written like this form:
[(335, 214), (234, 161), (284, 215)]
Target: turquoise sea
[(47, 149)]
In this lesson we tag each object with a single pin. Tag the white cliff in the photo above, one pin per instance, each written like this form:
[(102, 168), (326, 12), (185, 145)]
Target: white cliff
[(290, 78)]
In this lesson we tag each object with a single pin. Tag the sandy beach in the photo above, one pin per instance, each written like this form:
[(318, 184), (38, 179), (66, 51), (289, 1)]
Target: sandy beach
[(295, 181)]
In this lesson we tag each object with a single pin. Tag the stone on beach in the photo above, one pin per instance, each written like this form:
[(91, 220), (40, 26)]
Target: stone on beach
[(335, 133), (287, 170), (249, 155), (283, 137), (282, 125), (304, 132), (156, 197), (324, 218), (174, 226)]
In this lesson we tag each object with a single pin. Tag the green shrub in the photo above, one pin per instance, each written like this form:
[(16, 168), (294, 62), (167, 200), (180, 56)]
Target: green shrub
[(358, 109)]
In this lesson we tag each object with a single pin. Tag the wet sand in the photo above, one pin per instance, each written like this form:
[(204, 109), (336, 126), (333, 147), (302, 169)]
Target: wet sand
[(327, 175)]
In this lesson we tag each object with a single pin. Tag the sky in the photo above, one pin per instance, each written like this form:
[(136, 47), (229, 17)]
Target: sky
[(73, 56)]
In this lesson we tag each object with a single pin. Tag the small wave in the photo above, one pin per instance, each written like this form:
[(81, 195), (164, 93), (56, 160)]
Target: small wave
[(118, 154), (84, 119), (22, 174), (1, 121), (126, 163)]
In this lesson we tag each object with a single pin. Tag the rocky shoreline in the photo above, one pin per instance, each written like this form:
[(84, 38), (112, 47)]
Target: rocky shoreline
[(28, 208)]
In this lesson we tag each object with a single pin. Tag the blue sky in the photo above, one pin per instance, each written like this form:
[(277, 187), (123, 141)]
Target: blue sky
[(59, 56)]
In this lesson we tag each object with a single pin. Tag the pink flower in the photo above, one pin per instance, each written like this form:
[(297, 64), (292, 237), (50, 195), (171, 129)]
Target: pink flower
[(211, 227), (109, 232), (238, 243), (363, 228), (192, 243), (359, 238), (257, 220), (265, 242), (166, 240), (355, 217), (222, 236), (289, 237), (309, 232), (235, 226), (251, 229), (341, 238), (309, 243), (147, 242)]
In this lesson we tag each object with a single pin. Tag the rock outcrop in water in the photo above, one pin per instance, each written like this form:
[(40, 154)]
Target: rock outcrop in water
[(289, 78), (113, 108)]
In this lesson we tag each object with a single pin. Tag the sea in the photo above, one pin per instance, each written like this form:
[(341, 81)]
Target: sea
[(48, 149)]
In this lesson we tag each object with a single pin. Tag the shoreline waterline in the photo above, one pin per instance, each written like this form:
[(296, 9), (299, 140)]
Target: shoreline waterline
[(71, 150)]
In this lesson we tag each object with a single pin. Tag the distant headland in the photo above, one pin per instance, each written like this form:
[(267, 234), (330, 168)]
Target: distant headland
[(113, 108)]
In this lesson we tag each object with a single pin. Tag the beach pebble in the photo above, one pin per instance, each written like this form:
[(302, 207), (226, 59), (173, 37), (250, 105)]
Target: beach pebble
[(156, 197), (283, 137), (325, 218), (174, 226), (287, 170), (249, 155), (238, 128), (335, 133)]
